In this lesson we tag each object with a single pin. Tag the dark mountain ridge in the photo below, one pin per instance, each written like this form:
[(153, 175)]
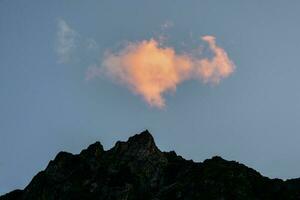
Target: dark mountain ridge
[(138, 170)]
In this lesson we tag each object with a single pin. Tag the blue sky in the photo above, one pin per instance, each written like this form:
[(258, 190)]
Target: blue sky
[(46, 104)]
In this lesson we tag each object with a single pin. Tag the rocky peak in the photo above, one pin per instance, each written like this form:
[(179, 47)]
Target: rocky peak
[(142, 140), (95, 149), (137, 169), (139, 145)]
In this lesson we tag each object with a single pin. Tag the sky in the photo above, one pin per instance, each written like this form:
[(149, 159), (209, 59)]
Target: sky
[(204, 77)]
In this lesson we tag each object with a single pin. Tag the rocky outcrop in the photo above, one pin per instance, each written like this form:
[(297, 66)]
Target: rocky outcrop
[(138, 170)]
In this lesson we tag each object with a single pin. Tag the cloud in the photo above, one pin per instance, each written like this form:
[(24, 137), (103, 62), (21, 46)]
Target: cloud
[(92, 72), (91, 44), (216, 68), (150, 69), (167, 24), (66, 41)]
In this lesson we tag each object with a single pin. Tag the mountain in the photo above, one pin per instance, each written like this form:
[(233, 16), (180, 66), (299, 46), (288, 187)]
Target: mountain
[(138, 170)]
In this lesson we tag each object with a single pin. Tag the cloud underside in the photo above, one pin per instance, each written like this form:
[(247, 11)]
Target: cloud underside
[(150, 70)]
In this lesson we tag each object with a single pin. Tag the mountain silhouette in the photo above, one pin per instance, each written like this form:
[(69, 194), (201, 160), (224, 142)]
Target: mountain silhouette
[(138, 170)]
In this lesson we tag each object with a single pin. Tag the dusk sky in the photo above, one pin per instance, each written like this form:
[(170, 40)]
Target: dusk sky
[(204, 77)]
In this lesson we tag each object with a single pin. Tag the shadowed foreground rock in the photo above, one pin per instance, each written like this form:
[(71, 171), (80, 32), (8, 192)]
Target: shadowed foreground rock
[(138, 170)]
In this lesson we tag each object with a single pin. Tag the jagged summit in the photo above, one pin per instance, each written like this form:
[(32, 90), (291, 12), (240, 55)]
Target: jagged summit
[(137, 169), (142, 138), (95, 148), (140, 146)]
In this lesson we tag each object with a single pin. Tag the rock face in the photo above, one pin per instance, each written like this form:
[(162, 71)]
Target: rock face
[(138, 170)]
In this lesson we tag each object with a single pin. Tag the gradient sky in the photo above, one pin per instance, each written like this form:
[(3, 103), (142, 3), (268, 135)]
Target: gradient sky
[(47, 105)]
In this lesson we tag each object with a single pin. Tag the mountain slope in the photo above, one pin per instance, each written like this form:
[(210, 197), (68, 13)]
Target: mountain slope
[(137, 169)]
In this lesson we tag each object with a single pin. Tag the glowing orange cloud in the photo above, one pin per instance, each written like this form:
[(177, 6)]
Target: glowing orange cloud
[(218, 67), (149, 69)]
